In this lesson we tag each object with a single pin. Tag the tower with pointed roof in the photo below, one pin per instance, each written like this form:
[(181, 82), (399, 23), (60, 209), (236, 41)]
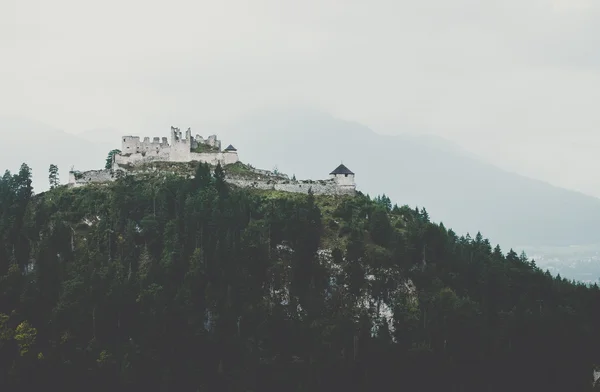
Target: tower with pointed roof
[(343, 177), (230, 155)]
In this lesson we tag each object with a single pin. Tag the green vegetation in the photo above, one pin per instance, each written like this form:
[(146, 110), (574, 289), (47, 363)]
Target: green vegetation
[(109, 158), (247, 172), (53, 176), (204, 148), (239, 169), (166, 283), (179, 168)]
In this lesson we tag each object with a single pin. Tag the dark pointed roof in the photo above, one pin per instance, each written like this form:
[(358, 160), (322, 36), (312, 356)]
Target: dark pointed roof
[(341, 169), (230, 148)]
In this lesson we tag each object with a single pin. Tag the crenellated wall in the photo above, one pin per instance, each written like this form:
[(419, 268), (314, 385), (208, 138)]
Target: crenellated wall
[(136, 152), (132, 144)]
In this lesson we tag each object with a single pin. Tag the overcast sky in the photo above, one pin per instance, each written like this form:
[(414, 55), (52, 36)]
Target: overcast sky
[(517, 81)]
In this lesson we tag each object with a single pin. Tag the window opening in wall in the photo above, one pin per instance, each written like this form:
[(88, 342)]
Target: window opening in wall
[(345, 175)]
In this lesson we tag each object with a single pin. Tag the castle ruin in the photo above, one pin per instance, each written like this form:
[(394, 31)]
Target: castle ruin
[(135, 152), (135, 155)]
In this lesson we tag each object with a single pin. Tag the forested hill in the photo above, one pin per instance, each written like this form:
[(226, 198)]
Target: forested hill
[(175, 284)]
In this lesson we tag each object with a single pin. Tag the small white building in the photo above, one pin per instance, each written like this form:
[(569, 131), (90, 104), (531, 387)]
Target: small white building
[(343, 177)]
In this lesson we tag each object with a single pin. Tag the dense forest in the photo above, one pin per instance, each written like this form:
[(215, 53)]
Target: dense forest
[(167, 283)]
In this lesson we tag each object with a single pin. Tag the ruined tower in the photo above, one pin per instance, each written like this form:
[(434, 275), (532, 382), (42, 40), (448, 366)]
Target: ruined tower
[(180, 146)]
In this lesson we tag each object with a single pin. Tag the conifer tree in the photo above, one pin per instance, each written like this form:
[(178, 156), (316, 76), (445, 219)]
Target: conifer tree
[(53, 176), (109, 159)]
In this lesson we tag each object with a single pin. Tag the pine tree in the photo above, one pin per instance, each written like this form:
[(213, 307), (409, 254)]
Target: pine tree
[(202, 176), (161, 278), (219, 176), (109, 159), (523, 257), (53, 176), (23, 183)]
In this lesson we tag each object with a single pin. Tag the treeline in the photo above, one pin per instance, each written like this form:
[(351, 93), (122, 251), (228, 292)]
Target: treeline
[(171, 284)]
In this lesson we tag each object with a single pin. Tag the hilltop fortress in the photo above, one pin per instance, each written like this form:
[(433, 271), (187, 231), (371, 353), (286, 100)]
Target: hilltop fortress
[(181, 155), (189, 149)]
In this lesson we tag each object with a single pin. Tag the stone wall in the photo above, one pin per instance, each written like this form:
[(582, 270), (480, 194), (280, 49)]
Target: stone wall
[(324, 187), (225, 158), (211, 141), (121, 160), (132, 144), (180, 146), (77, 179), (166, 155)]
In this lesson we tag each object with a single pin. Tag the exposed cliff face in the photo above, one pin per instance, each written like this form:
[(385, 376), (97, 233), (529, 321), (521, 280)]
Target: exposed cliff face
[(380, 310)]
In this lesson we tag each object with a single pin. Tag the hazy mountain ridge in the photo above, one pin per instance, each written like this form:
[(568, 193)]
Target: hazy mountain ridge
[(455, 187), (40, 145)]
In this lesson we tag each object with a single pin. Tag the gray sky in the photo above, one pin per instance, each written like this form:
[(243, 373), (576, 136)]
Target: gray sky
[(517, 81)]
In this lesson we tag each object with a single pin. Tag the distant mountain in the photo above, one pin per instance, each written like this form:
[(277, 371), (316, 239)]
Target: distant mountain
[(40, 145), (454, 186)]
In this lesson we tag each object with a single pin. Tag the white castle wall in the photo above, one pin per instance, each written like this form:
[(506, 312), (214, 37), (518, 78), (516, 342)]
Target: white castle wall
[(142, 157), (325, 187), (224, 158), (132, 144), (166, 155)]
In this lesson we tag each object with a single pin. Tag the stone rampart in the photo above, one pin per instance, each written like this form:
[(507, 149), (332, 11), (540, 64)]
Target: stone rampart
[(320, 187), (224, 158), (166, 155), (121, 160), (323, 187)]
